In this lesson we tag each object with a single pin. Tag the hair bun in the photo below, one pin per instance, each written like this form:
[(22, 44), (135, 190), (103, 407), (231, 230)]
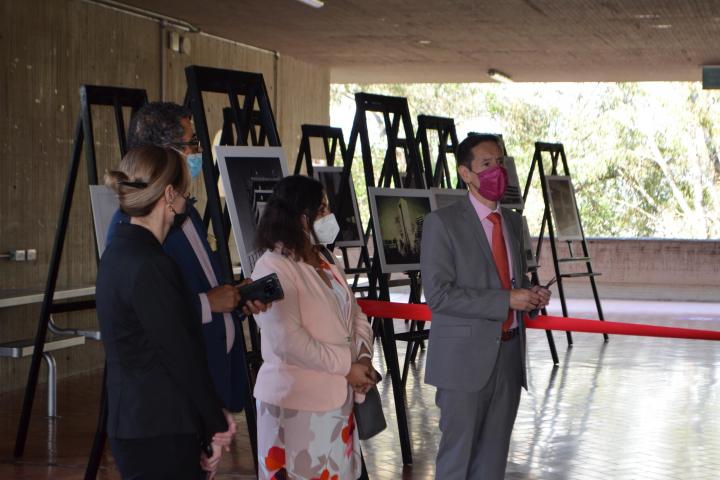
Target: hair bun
[(113, 179)]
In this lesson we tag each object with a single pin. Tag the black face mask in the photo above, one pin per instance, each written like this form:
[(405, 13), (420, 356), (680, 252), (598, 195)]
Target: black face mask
[(180, 217), (178, 220)]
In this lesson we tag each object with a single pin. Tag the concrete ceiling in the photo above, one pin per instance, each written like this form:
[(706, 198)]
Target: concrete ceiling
[(378, 41)]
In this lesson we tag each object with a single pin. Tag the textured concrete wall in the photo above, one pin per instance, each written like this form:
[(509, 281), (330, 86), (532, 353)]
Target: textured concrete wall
[(652, 269), (47, 50)]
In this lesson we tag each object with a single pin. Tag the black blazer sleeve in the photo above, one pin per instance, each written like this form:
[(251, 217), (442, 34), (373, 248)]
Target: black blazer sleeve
[(168, 317)]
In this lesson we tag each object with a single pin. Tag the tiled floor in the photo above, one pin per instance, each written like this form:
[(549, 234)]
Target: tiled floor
[(634, 408)]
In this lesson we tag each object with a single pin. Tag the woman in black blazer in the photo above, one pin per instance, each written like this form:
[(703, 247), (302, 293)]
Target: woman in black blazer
[(163, 410)]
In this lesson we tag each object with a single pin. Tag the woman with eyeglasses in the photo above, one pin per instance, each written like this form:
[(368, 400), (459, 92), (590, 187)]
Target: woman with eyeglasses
[(165, 420), (316, 343)]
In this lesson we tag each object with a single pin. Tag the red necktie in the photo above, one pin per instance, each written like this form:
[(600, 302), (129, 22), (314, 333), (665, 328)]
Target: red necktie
[(500, 257)]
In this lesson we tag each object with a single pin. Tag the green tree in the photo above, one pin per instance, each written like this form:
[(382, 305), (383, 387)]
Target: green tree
[(644, 157)]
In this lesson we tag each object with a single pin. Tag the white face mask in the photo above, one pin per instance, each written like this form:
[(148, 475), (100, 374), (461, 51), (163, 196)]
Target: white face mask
[(326, 229)]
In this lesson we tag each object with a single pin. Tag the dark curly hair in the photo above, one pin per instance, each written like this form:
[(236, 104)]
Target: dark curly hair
[(157, 123), (292, 198)]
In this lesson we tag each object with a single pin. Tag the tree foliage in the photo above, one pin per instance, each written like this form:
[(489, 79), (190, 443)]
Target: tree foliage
[(644, 157)]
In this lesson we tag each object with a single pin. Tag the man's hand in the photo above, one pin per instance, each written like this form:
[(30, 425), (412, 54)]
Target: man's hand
[(223, 439), (544, 293), (211, 464), (223, 299), (525, 300)]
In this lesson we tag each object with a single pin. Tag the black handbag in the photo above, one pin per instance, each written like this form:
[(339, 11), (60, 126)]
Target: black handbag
[(369, 416)]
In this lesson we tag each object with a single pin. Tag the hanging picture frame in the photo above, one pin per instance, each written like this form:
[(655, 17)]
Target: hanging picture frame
[(398, 215), (563, 207), (248, 176)]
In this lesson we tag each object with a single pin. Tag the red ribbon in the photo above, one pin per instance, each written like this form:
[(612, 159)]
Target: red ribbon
[(375, 308)]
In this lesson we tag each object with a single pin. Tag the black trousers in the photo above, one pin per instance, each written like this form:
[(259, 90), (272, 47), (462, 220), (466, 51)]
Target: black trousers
[(169, 457)]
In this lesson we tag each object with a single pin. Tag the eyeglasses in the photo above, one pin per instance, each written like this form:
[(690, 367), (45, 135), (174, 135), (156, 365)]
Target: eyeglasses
[(194, 142)]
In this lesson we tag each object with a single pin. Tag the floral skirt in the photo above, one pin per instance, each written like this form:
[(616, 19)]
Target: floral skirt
[(295, 444)]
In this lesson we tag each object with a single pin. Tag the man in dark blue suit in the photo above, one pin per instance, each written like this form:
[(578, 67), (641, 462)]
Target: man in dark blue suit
[(169, 124)]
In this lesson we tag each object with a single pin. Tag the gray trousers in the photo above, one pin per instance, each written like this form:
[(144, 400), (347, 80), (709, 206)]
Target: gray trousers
[(476, 426)]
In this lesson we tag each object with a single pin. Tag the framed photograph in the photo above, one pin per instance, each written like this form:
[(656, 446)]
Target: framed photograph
[(398, 215), (444, 197), (104, 203), (513, 194), (527, 243), (351, 234), (248, 177), (563, 207)]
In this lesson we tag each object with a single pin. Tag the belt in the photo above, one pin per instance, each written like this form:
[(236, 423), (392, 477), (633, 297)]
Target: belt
[(509, 334)]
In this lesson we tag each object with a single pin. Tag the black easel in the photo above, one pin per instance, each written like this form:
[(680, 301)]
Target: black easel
[(333, 138), (439, 177), (252, 127), (556, 153), (90, 95), (445, 129), (395, 111)]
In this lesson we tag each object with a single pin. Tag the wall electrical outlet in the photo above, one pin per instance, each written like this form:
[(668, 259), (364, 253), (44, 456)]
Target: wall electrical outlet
[(17, 255)]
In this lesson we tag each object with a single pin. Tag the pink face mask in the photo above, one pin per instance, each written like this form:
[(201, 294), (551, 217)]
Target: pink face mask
[(493, 182)]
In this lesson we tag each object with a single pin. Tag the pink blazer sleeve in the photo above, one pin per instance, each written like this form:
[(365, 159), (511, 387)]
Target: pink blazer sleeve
[(288, 339), (362, 331)]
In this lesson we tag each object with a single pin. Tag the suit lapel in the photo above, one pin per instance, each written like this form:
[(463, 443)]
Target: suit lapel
[(470, 217), (514, 242)]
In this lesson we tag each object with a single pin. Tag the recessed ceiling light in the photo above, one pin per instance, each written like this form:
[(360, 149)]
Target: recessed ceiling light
[(662, 26), (424, 42), (499, 76), (645, 16), (313, 3)]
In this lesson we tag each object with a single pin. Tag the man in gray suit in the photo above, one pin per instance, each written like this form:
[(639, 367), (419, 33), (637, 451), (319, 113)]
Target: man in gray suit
[(473, 273)]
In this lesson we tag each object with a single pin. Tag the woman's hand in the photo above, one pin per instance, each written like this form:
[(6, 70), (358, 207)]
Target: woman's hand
[(255, 306), (223, 439), (361, 376), (252, 307), (211, 464)]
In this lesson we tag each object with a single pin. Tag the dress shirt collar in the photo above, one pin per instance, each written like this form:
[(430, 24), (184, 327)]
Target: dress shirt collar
[(482, 210)]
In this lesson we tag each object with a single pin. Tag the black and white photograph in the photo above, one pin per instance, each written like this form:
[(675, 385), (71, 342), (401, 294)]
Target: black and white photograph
[(398, 215), (513, 194), (444, 197), (351, 234), (104, 203), (563, 207), (248, 177)]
